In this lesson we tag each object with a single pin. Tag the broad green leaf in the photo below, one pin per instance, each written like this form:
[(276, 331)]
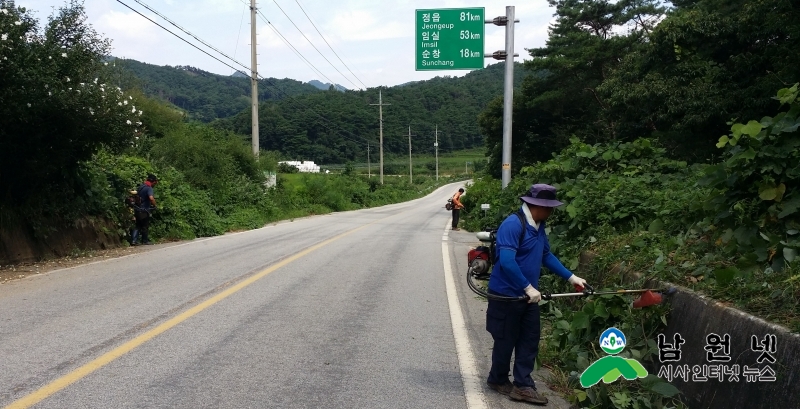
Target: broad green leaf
[(665, 389), (767, 193), (581, 395), (572, 210), (725, 276), (601, 311), (736, 129), (790, 207), (582, 363), (580, 320), (787, 95), (607, 156), (556, 311), (656, 226), (780, 190), (749, 154), (789, 254), (753, 128)]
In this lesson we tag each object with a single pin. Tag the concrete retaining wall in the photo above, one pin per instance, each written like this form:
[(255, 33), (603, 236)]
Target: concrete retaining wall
[(694, 317)]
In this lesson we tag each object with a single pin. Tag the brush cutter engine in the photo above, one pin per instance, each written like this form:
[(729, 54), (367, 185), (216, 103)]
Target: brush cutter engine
[(480, 259)]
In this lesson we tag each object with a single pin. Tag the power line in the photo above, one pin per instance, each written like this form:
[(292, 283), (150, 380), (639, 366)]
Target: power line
[(329, 46), (315, 47), (184, 30), (297, 52), (239, 36), (181, 38), (287, 97)]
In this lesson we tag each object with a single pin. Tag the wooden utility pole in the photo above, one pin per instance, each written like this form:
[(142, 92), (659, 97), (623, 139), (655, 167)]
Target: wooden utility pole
[(436, 146), (410, 164), (254, 77), (380, 105), (369, 167)]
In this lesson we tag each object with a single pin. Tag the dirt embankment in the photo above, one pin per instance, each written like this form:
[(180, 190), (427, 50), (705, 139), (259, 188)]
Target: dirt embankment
[(87, 240)]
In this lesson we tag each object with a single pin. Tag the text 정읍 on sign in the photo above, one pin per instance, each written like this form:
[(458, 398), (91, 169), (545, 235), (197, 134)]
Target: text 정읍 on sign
[(450, 39)]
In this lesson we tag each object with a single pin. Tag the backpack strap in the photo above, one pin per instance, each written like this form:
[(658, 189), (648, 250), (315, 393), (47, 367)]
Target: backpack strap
[(521, 218)]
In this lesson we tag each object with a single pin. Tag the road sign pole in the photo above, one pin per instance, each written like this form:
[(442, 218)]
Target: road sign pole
[(508, 97)]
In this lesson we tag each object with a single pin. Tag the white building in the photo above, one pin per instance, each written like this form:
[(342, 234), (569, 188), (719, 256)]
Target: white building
[(305, 166)]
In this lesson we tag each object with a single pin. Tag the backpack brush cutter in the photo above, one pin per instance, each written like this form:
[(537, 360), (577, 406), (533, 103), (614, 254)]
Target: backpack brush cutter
[(480, 264)]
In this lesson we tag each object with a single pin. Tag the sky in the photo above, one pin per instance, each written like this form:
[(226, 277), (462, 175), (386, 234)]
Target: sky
[(373, 40)]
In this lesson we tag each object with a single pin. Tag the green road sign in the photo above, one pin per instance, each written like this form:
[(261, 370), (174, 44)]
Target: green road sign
[(450, 39)]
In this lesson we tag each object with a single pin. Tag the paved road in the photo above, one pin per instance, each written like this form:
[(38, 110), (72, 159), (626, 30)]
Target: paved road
[(348, 310)]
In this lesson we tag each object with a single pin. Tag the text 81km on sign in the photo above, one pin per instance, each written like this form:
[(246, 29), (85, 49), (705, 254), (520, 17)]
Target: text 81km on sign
[(450, 39)]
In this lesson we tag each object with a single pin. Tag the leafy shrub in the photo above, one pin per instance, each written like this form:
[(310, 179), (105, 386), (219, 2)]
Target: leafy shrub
[(756, 198)]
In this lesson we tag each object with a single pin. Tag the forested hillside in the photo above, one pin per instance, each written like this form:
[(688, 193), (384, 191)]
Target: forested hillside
[(305, 123), (203, 95), (617, 71), (335, 127)]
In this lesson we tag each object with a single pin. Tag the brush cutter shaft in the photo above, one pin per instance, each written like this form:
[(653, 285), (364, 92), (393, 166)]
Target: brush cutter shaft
[(581, 294)]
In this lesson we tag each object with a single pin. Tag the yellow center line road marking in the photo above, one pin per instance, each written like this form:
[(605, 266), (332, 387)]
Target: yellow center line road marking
[(78, 374)]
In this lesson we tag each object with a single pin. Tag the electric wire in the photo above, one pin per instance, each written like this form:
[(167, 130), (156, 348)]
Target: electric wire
[(315, 47), (187, 32), (181, 38), (275, 87), (329, 45), (239, 36), (297, 52)]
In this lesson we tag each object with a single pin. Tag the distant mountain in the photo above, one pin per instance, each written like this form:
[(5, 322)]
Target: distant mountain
[(335, 127), (204, 95), (326, 85)]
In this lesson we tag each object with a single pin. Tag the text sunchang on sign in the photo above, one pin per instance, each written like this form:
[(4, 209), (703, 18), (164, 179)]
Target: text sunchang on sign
[(450, 39)]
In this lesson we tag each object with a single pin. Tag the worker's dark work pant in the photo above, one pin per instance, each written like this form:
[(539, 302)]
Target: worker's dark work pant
[(515, 327), (143, 227), (456, 212)]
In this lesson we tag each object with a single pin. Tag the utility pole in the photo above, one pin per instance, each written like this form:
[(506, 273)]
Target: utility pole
[(369, 167), (436, 147), (380, 105), (410, 164), (254, 77)]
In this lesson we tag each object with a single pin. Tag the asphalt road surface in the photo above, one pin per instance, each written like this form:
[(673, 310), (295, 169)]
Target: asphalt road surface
[(363, 309)]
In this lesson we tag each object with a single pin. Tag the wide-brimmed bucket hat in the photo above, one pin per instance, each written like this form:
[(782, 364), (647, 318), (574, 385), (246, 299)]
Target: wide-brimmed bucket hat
[(541, 195)]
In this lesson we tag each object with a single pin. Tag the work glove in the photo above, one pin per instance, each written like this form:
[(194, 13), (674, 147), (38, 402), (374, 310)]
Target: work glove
[(534, 296), (577, 282)]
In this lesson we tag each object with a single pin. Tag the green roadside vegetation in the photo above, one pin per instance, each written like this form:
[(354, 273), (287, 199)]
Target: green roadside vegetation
[(730, 230), (672, 135), (74, 145)]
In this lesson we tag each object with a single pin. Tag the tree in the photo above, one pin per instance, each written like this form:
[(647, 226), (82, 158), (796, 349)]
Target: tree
[(560, 99), (708, 62), (56, 105)]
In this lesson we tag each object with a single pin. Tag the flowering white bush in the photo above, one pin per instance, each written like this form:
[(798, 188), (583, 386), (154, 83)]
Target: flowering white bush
[(53, 113)]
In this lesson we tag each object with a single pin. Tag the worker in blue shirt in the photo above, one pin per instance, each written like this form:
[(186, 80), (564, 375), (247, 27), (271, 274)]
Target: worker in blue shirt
[(515, 326)]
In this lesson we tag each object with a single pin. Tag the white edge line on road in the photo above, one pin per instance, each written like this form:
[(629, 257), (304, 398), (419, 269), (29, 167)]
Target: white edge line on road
[(466, 361)]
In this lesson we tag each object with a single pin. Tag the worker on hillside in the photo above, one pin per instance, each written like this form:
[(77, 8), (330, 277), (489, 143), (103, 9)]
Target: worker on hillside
[(515, 326), (143, 213), (457, 206)]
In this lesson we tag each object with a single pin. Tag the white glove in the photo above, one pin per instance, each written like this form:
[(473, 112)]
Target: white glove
[(577, 282), (534, 296)]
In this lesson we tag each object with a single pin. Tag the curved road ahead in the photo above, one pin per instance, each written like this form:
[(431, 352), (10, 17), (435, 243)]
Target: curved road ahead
[(362, 309)]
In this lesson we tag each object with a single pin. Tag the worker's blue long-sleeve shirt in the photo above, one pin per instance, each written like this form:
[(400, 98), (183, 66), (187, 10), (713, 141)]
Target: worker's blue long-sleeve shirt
[(518, 265)]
